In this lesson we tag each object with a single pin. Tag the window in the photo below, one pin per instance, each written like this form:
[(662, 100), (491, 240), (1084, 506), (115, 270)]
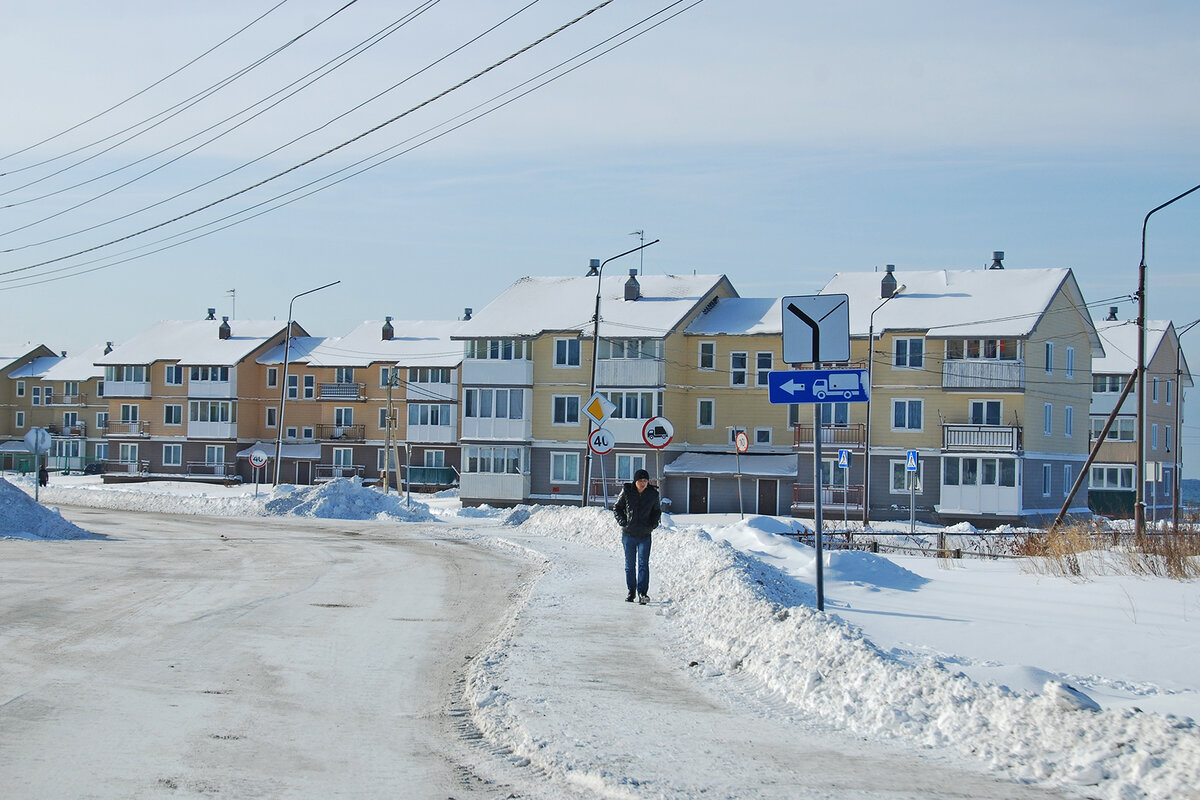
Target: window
[(173, 377), (129, 453), (705, 411), (635, 405), (272, 376), (564, 467), (765, 362), (835, 414), (1108, 383), (1169, 385), (566, 409), (385, 460), (343, 417), (343, 458), (1111, 476), (210, 411), (1048, 419), (291, 432), (172, 455), (49, 391), (343, 375), (1070, 362), (71, 420), (210, 374), (1068, 478), (385, 375), (629, 464), (20, 421), (733, 432), (129, 373), (762, 435), (1167, 438), (909, 353), (310, 387), (487, 403), (433, 413), (1154, 436), (429, 375), (173, 415), (737, 369), (497, 460), (1008, 472), (907, 415), (435, 458), (1068, 421), (101, 420), (1123, 428), (794, 415), (968, 471), (985, 412), (496, 349), (629, 348), (1049, 358), (20, 388), (37, 395), (1154, 390), (129, 412), (900, 476), (272, 419), (998, 349), (566, 352), (708, 356), (1046, 480)]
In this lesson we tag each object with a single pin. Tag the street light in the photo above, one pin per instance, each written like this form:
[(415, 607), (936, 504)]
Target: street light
[(596, 267), (870, 391), (1139, 506), (1178, 422), (287, 348)]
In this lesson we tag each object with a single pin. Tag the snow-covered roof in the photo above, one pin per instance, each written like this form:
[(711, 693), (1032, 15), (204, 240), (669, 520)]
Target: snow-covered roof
[(194, 342), (761, 466), (35, 368), (414, 343), (740, 316), (1120, 338), (534, 305), (15, 351), (980, 302), (79, 367)]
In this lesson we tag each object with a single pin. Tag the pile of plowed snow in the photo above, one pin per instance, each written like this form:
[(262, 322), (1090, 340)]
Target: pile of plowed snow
[(21, 517)]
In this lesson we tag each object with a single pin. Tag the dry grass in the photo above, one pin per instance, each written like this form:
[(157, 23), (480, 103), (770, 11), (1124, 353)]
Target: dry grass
[(1084, 549)]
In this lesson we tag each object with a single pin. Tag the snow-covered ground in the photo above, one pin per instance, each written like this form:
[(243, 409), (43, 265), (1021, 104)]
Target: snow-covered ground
[(1088, 685)]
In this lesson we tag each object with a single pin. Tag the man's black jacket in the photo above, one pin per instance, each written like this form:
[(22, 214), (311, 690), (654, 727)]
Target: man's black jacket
[(638, 513)]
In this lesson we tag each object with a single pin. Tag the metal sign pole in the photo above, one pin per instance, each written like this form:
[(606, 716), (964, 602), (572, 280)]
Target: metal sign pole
[(604, 481), (741, 505), (818, 523)]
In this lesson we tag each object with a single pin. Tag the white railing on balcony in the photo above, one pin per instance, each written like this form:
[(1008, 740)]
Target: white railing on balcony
[(126, 388), (497, 372), (223, 390), (425, 392), (210, 468), (630, 372), (983, 374), (999, 438), (433, 434), (341, 391), (493, 486), (495, 428), (212, 430)]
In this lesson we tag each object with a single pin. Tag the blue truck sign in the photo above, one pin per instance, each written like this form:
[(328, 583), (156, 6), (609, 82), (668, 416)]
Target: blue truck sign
[(818, 386)]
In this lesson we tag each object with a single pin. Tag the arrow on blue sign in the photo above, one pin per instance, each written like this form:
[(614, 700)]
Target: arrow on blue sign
[(818, 386)]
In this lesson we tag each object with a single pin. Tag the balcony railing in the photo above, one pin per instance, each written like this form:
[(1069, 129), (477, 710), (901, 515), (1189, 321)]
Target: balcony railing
[(207, 468), (76, 399), (996, 438), (341, 433), (352, 392), (126, 467), (432, 476), (832, 496), (78, 429), (126, 428), (329, 472), (853, 435), (983, 374)]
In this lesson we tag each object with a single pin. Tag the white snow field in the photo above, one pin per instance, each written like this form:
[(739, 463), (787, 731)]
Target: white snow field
[(922, 678)]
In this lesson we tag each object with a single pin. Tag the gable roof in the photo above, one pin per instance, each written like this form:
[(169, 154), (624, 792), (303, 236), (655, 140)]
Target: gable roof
[(414, 343), (65, 368), (740, 316), (1120, 339), (14, 352), (948, 303), (535, 305), (195, 342)]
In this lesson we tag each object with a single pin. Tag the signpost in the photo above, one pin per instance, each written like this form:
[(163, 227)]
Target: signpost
[(741, 443), (37, 442), (598, 409), (658, 433), (258, 460), (844, 464), (910, 469), (601, 442)]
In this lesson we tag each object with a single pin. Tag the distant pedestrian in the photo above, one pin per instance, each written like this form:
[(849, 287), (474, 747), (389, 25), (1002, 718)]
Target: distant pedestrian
[(638, 512), (43, 475)]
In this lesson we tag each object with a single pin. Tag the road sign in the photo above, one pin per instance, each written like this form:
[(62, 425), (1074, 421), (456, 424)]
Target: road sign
[(910, 463), (816, 328), (37, 440), (599, 408), (601, 441), (818, 386), (741, 442), (844, 459), (258, 459), (658, 432)]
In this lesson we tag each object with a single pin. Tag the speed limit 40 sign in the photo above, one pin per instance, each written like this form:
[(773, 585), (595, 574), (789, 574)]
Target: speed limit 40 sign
[(601, 441)]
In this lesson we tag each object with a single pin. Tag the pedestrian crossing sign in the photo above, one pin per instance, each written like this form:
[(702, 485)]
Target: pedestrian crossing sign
[(911, 463), (844, 459)]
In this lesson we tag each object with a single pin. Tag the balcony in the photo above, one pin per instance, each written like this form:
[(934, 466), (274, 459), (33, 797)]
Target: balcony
[(209, 469), (126, 467), (497, 372), (135, 427), (433, 434), (833, 499), (78, 429), (330, 472), (211, 430), (622, 372), (127, 388), (430, 392), (992, 438), (850, 435), (983, 375), (345, 392), (432, 476), (340, 433), (221, 390), (76, 399)]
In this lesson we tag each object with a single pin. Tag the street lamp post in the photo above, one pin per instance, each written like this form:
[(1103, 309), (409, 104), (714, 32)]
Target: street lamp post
[(287, 349), (1139, 507), (871, 390), (1178, 422), (597, 267)]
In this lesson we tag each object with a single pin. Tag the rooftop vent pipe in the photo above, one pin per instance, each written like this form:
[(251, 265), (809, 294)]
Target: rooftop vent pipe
[(1112, 314), (388, 330), (107, 348), (887, 286), (997, 259), (224, 331), (466, 314), (633, 289), (593, 268), (212, 314)]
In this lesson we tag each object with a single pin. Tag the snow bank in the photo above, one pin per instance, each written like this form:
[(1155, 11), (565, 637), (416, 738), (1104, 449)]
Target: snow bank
[(748, 616), (21, 517)]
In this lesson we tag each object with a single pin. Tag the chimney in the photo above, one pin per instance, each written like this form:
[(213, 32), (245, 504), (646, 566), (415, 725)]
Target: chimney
[(212, 314), (633, 289), (224, 331), (593, 268), (107, 348), (466, 314), (1112, 314), (64, 353), (388, 330), (997, 259), (887, 286)]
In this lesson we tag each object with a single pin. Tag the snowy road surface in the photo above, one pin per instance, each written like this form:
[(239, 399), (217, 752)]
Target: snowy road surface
[(196, 656)]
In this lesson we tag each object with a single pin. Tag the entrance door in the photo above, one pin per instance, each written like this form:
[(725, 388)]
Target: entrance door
[(697, 495), (768, 497)]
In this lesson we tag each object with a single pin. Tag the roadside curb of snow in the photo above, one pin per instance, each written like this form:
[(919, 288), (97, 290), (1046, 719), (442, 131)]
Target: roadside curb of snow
[(749, 617)]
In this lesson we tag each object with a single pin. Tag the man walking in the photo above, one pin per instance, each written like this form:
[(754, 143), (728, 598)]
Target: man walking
[(638, 513)]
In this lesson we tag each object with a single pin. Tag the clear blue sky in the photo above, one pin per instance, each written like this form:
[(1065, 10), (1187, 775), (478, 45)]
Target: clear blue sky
[(776, 142)]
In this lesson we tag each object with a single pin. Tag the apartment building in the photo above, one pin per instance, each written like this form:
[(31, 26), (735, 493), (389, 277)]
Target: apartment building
[(1112, 477), (15, 402), (178, 393), (986, 374), (384, 397), (530, 356)]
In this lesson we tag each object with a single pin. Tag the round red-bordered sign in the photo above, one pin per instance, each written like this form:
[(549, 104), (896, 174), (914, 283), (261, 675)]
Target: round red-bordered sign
[(741, 442), (658, 432), (258, 459), (601, 441)]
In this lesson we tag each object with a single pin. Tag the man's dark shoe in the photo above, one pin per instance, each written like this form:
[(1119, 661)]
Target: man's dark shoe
[(643, 599), (629, 597)]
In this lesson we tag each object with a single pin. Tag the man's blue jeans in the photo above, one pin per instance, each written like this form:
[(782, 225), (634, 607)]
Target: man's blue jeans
[(637, 563)]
